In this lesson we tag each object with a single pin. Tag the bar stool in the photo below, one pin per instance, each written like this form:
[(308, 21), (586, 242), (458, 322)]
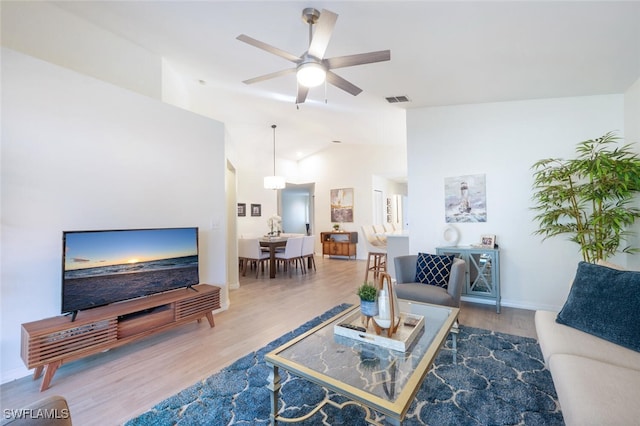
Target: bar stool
[(377, 256)]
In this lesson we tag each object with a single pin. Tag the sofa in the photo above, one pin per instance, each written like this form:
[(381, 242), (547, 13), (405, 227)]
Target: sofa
[(408, 288), (595, 365)]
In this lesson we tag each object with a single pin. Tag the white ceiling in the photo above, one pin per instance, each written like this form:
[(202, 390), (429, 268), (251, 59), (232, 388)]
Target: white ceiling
[(442, 53)]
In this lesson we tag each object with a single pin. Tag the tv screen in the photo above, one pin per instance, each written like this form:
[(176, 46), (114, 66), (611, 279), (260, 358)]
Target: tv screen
[(103, 267)]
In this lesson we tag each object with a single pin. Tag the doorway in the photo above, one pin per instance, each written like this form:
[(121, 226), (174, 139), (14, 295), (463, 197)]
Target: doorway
[(378, 208), (297, 207), (233, 276)]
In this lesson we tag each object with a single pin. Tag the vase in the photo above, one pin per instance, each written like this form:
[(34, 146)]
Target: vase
[(369, 309)]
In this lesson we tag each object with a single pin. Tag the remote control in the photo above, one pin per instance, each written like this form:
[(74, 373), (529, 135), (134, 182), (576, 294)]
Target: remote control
[(353, 327)]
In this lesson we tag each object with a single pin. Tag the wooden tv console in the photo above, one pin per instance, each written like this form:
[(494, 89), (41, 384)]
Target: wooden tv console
[(48, 343)]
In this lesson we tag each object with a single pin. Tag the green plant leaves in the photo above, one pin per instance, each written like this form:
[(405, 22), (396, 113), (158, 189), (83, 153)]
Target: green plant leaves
[(367, 292), (589, 197)]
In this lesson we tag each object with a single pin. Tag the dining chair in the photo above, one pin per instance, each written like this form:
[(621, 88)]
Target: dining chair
[(287, 235), (292, 254), (308, 247), (249, 252)]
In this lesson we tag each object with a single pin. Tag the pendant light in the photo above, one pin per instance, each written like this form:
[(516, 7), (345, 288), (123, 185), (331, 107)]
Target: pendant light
[(274, 182)]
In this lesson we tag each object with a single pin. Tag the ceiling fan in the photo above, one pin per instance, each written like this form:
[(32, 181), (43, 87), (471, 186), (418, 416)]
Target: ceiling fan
[(311, 67)]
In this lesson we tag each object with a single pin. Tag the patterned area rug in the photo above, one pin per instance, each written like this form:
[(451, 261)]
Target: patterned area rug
[(499, 379)]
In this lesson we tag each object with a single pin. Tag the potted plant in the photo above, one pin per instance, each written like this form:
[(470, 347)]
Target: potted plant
[(336, 227), (590, 197), (368, 293)]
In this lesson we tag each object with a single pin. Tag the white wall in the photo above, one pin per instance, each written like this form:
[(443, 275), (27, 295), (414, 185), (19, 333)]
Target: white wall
[(45, 31), (503, 140), (339, 166), (394, 191), (632, 115), (78, 153), (632, 136), (348, 166), (251, 191)]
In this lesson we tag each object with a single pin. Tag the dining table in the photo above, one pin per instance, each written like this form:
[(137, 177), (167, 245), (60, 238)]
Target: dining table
[(273, 243)]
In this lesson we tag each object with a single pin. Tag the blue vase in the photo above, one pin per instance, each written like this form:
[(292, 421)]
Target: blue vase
[(369, 309)]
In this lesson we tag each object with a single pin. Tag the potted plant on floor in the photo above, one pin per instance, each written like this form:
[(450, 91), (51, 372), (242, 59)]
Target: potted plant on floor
[(368, 294), (590, 198)]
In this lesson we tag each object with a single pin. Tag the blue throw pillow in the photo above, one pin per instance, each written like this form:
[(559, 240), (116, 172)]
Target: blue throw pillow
[(433, 269), (604, 302)]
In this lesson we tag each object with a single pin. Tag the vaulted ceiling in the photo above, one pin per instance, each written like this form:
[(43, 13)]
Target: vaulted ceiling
[(442, 53)]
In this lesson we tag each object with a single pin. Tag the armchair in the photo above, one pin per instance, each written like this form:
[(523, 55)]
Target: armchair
[(408, 288)]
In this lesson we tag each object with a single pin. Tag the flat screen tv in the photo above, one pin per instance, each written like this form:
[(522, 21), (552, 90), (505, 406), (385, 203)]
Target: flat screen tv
[(104, 267)]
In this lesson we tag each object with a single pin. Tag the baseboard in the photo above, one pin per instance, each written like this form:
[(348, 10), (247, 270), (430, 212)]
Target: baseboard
[(512, 304), (14, 374), (531, 306)]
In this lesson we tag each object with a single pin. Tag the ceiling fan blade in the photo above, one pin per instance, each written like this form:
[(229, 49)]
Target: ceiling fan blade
[(270, 76), (302, 94), (267, 47), (343, 84), (322, 33), (359, 59)]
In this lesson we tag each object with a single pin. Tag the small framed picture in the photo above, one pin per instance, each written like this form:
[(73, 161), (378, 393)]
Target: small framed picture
[(242, 209), (256, 209), (488, 241)]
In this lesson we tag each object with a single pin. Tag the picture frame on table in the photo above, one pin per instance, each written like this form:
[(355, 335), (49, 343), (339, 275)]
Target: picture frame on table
[(488, 241)]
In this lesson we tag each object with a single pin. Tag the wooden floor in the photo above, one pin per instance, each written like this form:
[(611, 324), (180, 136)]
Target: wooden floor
[(114, 386)]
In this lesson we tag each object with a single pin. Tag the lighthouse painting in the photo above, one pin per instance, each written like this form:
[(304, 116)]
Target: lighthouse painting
[(465, 199)]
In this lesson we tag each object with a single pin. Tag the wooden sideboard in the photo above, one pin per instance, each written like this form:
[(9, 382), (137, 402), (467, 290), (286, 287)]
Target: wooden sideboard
[(339, 243), (48, 343)]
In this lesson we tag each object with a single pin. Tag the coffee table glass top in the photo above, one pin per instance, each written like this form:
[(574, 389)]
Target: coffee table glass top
[(382, 378)]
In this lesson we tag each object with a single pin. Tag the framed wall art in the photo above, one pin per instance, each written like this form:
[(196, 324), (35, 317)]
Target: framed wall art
[(465, 199), (342, 205), (256, 209), (242, 209)]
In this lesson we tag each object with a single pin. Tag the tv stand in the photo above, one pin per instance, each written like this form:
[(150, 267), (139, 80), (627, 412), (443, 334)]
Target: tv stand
[(48, 343)]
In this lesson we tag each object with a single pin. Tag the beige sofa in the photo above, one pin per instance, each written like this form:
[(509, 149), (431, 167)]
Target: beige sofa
[(598, 382)]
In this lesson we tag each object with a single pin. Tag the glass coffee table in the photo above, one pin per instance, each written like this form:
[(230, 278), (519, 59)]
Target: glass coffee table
[(368, 375)]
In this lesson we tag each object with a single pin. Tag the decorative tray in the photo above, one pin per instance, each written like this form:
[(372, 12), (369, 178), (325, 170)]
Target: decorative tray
[(411, 325)]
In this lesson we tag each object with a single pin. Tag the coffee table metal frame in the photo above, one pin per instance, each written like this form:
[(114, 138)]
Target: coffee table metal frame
[(394, 409)]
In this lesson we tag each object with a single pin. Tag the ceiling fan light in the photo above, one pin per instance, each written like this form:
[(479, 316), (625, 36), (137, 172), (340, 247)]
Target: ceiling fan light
[(311, 74), (274, 182)]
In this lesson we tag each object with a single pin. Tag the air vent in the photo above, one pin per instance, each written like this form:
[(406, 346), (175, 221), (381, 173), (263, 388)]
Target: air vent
[(396, 99)]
